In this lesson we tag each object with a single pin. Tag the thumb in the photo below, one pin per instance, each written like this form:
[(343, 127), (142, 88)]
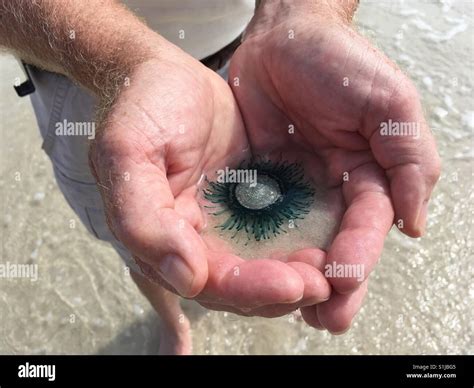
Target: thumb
[(404, 146), (140, 212), (172, 247)]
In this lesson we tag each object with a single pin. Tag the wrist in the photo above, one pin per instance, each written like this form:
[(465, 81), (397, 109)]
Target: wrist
[(106, 71), (157, 59), (270, 13)]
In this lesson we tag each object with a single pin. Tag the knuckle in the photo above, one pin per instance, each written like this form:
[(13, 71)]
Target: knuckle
[(127, 233)]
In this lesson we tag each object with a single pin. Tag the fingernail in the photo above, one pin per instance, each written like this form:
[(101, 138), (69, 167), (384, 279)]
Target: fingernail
[(177, 273), (313, 301), (147, 271), (421, 219), (299, 298)]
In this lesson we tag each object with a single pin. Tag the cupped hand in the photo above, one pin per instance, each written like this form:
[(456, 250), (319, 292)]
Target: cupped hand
[(173, 121), (308, 84)]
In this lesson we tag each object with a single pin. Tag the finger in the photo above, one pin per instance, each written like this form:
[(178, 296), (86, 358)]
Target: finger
[(223, 307), (150, 274), (367, 220), (274, 311), (316, 287), (310, 316), (315, 290), (312, 256), (188, 208), (250, 284), (269, 311), (140, 212), (337, 313), (411, 160)]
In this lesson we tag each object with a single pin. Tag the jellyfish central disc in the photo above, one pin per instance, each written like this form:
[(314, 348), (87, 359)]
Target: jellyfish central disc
[(258, 195)]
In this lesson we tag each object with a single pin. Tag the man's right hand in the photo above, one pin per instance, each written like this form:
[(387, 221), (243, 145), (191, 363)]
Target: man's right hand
[(175, 121)]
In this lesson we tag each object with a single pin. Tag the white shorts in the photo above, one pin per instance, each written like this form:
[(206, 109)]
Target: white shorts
[(57, 99)]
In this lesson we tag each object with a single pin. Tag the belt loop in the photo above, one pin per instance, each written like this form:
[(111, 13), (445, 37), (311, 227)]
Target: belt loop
[(26, 87)]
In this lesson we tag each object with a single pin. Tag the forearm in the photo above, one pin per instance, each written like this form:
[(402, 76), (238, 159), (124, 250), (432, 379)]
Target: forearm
[(96, 43)]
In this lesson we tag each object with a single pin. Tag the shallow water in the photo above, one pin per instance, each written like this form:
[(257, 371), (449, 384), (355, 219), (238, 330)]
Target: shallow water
[(84, 302)]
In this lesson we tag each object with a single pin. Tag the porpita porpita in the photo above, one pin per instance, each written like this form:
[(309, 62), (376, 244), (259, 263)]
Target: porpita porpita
[(261, 209)]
